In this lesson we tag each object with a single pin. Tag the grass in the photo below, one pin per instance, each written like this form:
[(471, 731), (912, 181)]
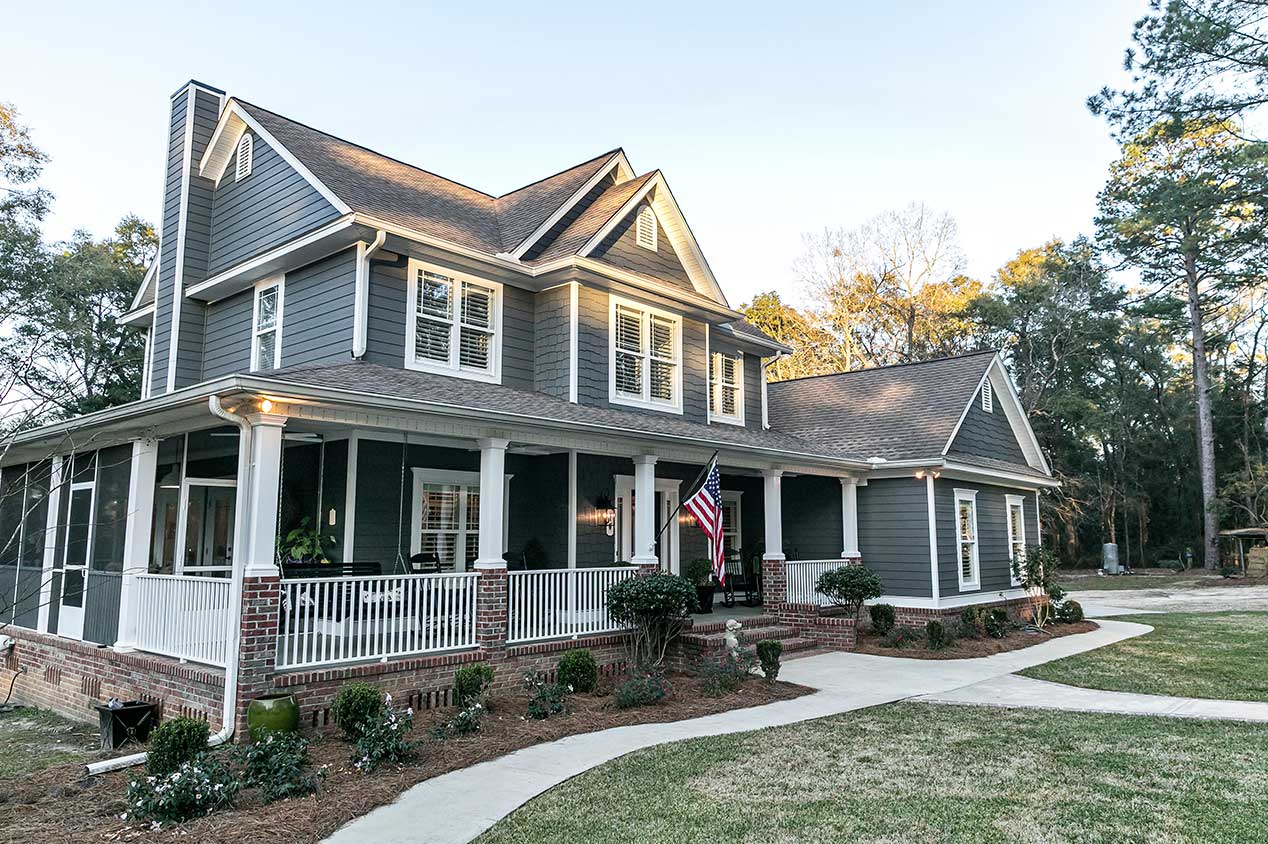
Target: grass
[(924, 774), (34, 739), (1206, 655), (1142, 579)]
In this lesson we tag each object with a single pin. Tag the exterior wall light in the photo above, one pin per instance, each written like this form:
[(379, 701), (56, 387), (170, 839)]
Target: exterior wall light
[(607, 512)]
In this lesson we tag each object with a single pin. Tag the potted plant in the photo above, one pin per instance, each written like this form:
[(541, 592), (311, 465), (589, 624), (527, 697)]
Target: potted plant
[(700, 573), (305, 545)]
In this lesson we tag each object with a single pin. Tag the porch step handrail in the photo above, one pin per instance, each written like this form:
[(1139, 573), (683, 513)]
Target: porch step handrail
[(334, 620), (802, 576), (183, 617), (561, 603)]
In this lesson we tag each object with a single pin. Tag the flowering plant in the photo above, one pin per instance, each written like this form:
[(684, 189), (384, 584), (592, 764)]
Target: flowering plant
[(194, 789), (383, 739)]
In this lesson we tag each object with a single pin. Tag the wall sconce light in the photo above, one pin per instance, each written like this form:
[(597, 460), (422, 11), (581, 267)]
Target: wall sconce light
[(331, 517), (607, 512)]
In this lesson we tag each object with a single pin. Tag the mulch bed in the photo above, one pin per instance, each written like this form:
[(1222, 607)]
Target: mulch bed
[(871, 643), (63, 804)]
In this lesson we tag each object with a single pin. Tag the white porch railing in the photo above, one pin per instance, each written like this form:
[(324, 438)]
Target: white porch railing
[(801, 577), (184, 617), (558, 603), (347, 619)]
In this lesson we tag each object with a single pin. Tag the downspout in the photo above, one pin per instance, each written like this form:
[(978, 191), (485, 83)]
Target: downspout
[(361, 300), (229, 712)]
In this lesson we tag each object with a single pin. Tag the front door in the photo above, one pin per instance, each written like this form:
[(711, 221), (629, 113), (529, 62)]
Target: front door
[(665, 504), (206, 532), (78, 553)]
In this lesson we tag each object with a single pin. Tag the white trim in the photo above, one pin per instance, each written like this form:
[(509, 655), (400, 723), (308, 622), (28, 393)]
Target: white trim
[(261, 287), (988, 397), (935, 588), (54, 501), (644, 213), (647, 311), (1011, 501), (1027, 440), (454, 366), (182, 515), (766, 362), (573, 335), (361, 293), (1038, 524), (736, 496), (350, 500), (960, 471), (146, 281), (148, 365), (76, 614), (423, 475), (623, 487), (571, 529), (244, 156), (965, 600), (617, 162), (973, 583), (275, 254), (182, 217)]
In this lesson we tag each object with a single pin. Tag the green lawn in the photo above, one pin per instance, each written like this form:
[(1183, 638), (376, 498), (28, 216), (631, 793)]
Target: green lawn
[(924, 774), (1208, 655), (34, 739)]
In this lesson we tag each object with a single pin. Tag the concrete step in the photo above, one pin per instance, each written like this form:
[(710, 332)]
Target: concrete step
[(747, 635)]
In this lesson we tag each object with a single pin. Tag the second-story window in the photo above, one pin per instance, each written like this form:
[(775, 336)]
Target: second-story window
[(454, 325), (726, 388), (646, 348), (266, 328)]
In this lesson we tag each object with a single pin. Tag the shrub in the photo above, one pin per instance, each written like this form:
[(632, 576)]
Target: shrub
[(545, 699), (899, 637), (995, 623), (175, 742), (935, 635), (383, 738), (849, 587), (1070, 612), (882, 618), (466, 722), (470, 683), (1036, 572), (356, 706), (577, 669), (190, 790), (698, 571), (645, 688), (654, 608), (768, 653), (276, 764), (972, 622), (725, 675)]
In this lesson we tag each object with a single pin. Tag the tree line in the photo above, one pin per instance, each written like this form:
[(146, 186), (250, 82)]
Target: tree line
[(1140, 349)]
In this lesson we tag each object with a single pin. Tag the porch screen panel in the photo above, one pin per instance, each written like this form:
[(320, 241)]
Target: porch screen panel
[(34, 530), (110, 520), (167, 494), (12, 495)]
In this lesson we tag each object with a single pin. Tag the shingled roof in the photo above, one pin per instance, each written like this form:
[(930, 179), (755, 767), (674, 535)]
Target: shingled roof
[(903, 412)]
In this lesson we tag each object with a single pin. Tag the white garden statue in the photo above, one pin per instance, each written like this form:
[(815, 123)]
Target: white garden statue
[(733, 637)]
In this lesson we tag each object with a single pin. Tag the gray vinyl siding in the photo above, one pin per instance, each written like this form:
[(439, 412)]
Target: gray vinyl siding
[(271, 206), (621, 249), (985, 434), (538, 507), (753, 392), (811, 509), (518, 327), (317, 311), (594, 478), (553, 342), (894, 534), (167, 251), (593, 358), (227, 348), (992, 531), (385, 329)]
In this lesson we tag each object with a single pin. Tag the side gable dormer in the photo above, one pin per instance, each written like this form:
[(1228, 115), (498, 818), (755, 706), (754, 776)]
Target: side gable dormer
[(994, 426)]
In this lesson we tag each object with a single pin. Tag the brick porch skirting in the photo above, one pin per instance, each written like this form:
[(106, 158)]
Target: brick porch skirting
[(68, 677), (1018, 609)]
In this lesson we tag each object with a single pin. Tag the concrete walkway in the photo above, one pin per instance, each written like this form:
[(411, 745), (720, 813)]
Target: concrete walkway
[(458, 806), (1013, 692)]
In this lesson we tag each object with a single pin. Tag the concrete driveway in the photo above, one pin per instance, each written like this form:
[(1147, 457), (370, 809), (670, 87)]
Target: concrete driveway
[(1190, 599)]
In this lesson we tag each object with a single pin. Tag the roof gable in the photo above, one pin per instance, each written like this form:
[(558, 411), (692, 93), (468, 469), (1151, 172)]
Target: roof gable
[(620, 249), (528, 215)]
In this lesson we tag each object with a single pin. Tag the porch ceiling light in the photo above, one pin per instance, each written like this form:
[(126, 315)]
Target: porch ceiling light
[(265, 405)]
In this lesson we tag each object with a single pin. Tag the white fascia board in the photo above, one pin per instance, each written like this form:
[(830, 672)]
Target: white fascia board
[(618, 162), (146, 282), (138, 316), (1012, 409), (964, 414)]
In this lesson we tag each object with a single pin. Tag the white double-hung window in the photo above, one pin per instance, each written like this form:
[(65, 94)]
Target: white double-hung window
[(266, 327), (646, 354), (1016, 534), (966, 539), (455, 323), (726, 387)]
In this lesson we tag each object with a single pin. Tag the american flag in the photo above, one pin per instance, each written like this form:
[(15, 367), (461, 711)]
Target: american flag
[(706, 505)]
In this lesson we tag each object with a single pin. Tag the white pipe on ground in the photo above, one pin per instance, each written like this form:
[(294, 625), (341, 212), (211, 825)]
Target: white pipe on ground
[(229, 713)]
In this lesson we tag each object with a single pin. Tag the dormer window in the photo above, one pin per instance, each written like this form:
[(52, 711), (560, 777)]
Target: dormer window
[(246, 146), (988, 397), (645, 346), (645, 235), (266, 330), (726, 388), (455, 324)]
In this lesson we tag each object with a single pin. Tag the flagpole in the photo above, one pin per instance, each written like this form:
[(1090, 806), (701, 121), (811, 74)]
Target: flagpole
[(674, 514)]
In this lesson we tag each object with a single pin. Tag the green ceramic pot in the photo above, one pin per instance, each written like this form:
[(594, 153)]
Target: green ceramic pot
[(272, 712)]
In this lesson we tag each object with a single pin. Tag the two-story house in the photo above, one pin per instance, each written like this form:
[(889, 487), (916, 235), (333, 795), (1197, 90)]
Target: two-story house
[(486, 409)]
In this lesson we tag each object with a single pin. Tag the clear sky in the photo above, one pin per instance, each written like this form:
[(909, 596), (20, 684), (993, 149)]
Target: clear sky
[(769, 121)]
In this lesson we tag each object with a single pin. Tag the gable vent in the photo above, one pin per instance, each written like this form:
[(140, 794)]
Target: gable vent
[(988, 397), (246, 147), (646, 233)]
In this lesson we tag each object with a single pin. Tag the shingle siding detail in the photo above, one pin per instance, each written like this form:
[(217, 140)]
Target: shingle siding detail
[(553, 342), (620, 248), (271, 206), (894, 534), (987, 434)]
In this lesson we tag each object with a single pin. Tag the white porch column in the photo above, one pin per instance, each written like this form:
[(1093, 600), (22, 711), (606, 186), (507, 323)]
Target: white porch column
[(492, 503), (262, 487), (772, 505), (644, 550), (850, 519), (136, 541), (50, 542)]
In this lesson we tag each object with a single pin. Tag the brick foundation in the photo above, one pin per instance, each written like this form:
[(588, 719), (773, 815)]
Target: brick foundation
[(918, 617), (67, 677), (257, 652)]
